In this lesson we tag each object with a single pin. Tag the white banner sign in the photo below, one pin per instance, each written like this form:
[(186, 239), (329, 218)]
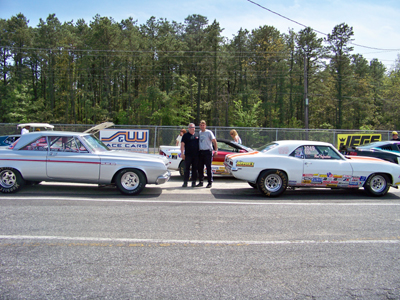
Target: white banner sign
[(129, 140)]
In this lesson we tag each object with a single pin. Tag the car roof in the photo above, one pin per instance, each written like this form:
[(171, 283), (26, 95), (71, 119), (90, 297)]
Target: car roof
[(36, 125), (297, 143), (33, 136), (380, 143)]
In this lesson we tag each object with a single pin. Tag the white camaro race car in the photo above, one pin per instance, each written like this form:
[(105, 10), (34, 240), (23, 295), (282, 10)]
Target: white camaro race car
[(280, 164)]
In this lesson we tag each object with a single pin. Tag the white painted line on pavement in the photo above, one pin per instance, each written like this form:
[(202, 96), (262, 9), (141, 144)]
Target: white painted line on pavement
[(249, 202), (171, 241)]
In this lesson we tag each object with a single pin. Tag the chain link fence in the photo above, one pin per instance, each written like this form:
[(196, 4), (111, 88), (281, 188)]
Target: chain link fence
[(252, 137)]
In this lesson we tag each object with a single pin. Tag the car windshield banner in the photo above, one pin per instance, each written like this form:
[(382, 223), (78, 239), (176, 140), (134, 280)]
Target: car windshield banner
[(350, 140), (128, 140)]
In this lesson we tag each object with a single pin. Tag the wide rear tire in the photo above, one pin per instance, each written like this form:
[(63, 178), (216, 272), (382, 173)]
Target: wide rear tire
[(272, 183), (11, 180)]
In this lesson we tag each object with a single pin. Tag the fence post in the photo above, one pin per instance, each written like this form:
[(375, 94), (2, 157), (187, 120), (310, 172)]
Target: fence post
[(155, 139)]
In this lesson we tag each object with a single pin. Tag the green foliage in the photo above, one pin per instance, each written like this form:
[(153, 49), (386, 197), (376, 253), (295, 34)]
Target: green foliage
[(169, 73)]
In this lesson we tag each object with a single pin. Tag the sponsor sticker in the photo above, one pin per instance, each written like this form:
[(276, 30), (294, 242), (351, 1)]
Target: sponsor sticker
[(244, 164)]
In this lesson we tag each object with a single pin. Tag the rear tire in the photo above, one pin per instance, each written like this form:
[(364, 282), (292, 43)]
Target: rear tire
[(182, 168), (272, 183), (11, 180), (377, 185), (253, 185), (130, 181)]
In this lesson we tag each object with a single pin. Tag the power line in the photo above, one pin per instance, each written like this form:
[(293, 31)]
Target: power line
[(358, 45)]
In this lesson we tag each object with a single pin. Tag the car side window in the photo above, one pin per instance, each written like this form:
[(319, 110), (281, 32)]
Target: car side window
[(38, 145), (63, 144), (320, 152), (298, 153), (81, 147)]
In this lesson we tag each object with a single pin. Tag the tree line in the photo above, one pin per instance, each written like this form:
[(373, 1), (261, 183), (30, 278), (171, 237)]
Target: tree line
[(170, 73)]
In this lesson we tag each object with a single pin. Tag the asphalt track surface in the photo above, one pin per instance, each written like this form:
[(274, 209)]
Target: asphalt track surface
[(70, 241)]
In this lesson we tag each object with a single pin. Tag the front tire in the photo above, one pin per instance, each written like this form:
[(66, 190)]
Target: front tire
[(272, 183), (11, 180), (377, 185), (130, 181)]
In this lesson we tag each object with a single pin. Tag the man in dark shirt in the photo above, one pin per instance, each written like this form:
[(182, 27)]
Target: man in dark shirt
[(190, 154)]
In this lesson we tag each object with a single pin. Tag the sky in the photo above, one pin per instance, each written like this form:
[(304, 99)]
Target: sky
[(376, 23)]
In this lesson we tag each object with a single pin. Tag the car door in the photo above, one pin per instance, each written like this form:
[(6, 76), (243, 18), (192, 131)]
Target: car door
[(322, 166), (69, 160), (32, 159)]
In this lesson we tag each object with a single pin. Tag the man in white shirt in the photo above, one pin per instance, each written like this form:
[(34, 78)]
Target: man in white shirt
[(25, 130), (206, 142)]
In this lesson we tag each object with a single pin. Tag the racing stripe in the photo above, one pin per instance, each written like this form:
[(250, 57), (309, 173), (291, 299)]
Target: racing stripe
[(57, 161), (242, 154)]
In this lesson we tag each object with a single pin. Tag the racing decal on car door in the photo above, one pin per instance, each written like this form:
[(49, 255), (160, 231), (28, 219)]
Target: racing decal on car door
[(332, 180)]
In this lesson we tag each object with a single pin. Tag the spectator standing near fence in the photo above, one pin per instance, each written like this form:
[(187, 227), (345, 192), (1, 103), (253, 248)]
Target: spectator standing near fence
[(190, 154), (395, 136), (207, 140), (25, 130), (236, 138), (179, 138)]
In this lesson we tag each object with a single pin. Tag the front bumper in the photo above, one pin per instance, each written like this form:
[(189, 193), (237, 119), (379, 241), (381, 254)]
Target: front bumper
[(163, 178)]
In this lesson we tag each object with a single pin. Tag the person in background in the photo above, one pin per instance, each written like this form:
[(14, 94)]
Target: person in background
[(207, 140), (25, 130), (235, 136), (190, 154), (179, 138), (395, 136)]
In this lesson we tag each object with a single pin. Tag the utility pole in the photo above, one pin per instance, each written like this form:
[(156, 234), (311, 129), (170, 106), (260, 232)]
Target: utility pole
[(305, 96)]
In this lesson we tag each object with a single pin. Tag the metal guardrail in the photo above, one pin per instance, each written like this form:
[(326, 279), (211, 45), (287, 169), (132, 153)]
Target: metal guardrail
[(253, 137)]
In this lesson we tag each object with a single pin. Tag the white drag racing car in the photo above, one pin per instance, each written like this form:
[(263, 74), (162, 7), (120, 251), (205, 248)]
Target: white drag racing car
[(280, 164)]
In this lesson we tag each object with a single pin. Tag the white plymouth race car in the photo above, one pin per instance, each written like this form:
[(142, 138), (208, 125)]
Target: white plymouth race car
[(280, 164), (77, 157)]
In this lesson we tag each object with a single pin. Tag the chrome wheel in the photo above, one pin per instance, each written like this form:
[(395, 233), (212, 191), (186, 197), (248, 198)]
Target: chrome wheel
[(273, 183), (11, 180), (130, 181), (378, 184), (8, 178)]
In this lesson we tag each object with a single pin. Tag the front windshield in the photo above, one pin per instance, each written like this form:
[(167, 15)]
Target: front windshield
[(94, 144), (267, 147)]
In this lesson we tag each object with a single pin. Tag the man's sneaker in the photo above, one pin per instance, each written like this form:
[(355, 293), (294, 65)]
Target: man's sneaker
[(209, 185), (200, 184), (184, 184)]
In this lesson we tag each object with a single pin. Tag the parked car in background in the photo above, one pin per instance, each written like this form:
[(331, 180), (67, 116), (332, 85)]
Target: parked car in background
[(280, 164), (173, 153), (77, 157), (386, 150), (7, 140)]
